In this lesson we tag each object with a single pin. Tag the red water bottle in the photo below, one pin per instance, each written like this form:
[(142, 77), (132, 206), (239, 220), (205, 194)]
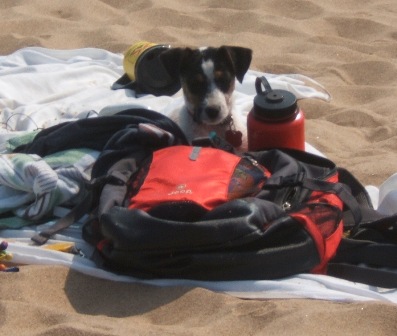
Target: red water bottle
[(275, 120)]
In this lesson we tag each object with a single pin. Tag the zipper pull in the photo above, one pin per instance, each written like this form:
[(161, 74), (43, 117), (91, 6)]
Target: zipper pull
[(194, 154), (253, 161)]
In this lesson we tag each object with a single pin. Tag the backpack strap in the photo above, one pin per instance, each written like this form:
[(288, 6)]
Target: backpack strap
[(82, 208), (343, 192), (356, 188), (340, 189), (368, 253), (62, 223), (370, 276)]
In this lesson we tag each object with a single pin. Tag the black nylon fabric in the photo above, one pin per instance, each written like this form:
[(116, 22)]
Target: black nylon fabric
[(369, 252), (116, 136), (107, 133), (229, 242), (288, 169), (248, 238), (221, 226)]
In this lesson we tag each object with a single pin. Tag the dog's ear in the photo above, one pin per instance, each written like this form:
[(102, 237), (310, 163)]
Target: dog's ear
[(241, 59), (172, 60)]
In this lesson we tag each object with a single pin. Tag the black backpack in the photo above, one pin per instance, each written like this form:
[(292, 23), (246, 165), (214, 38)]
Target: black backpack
[(308, 216)]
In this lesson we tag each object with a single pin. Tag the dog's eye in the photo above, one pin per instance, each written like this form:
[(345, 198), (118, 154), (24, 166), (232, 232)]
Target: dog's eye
[(199, 79), (219, 75), (223, 80)]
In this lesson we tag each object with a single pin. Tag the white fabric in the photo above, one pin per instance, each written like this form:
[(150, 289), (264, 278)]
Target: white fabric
[(41, 87), (32, 186)]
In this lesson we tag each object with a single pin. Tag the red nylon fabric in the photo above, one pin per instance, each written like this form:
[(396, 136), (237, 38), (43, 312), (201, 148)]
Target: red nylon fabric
[(326, 246), (176, 178), (328, 235)]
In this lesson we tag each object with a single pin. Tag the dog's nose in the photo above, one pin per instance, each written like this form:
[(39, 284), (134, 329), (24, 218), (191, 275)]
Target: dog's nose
[(212, 112)]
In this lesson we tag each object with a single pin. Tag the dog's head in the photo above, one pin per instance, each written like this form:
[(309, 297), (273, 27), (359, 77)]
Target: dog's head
[(207, 78)]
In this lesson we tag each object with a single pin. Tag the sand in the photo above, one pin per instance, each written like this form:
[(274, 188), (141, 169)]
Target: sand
[(350, 46)]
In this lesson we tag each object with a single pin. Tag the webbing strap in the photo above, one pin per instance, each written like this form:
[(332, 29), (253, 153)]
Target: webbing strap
[(284, 181), (62, 223), (339, 189), (370, 276), (80, 209)]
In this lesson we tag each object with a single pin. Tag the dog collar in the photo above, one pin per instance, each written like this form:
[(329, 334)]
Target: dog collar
[(232, 135), (228, 121)]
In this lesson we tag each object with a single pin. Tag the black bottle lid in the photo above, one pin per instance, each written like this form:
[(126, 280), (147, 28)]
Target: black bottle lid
[(273, 104)]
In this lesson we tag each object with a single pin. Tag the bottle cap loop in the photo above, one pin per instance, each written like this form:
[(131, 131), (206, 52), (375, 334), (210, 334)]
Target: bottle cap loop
[(273, 104)]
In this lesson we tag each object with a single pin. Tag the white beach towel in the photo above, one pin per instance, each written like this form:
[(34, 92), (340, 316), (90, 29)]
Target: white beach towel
[(41, 87)]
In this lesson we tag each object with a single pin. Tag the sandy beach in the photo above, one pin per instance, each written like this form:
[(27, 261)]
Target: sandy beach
[(349, 46)]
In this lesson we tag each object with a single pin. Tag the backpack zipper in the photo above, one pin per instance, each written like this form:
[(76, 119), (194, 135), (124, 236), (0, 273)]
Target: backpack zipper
[(289, 199), (293, 196)]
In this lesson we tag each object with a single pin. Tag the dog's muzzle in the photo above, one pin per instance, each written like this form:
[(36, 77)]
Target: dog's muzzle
[(212, 112), (211, 116)]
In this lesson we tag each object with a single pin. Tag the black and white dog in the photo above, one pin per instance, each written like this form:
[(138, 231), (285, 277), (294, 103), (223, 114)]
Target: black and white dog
[(207, 77)]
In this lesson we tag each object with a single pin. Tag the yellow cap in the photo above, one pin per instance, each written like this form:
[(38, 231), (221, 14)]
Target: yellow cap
[(132, 55)]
